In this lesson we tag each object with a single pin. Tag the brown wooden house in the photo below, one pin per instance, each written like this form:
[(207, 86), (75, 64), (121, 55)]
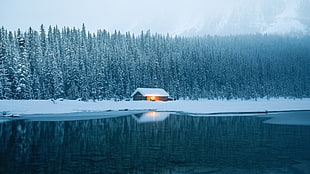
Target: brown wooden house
[(150, 94)]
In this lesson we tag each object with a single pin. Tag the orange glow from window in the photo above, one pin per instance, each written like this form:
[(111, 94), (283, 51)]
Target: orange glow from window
[(152, 98)]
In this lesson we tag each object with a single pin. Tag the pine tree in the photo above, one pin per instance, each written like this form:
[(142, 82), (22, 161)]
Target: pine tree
[(5, 91), (75, 64), (22, 76)]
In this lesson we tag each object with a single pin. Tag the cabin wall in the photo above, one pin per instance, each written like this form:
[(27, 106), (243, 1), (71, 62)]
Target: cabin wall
[(150, 98), (139, 97), (163, 98)]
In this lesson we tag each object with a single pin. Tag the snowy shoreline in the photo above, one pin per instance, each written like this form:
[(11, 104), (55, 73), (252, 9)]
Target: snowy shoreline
[(280, 111), (203, 106)]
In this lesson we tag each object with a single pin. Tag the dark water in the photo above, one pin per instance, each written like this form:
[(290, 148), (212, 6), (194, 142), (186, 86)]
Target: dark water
[(177, 144)]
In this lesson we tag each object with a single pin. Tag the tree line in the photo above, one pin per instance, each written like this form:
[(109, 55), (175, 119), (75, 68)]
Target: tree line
[(72, 63)]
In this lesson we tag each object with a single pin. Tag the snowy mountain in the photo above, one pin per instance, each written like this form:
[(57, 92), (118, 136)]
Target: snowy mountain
[(245, 17)]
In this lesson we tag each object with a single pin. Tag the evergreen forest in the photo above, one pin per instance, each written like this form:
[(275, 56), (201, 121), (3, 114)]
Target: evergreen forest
[(73, 63)]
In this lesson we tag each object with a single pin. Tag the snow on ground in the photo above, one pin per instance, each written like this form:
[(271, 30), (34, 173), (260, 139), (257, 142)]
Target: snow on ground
[(76, 116), (47, 110), (190, 106)]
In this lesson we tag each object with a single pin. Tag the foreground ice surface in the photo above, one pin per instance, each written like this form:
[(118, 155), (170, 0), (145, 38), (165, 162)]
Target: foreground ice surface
[(76, 116), (189, 106), (67, 110)]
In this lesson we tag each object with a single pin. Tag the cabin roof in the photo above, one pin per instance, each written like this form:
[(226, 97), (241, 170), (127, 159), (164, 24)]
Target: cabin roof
[(151, 92)]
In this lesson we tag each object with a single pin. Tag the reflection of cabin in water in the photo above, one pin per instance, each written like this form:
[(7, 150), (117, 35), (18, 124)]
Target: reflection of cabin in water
[(151, 117), (150, 94)]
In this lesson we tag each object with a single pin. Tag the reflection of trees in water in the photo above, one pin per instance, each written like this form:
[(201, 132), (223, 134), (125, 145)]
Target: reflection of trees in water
[(121, 145)]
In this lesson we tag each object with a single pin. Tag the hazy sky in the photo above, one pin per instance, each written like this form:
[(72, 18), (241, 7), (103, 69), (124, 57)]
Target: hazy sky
[(163, 16)]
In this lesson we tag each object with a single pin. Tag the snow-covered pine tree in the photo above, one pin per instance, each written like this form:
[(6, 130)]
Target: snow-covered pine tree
[(5, 91), (22, 71), (73, 64), (84, 66)]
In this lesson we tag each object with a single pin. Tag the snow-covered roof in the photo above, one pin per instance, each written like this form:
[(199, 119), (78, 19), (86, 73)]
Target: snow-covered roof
[(150, 92)]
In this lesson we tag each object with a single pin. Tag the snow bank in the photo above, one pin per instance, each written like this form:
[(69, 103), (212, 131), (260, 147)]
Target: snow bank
[(17, 107), (67, 110), (77, 116)]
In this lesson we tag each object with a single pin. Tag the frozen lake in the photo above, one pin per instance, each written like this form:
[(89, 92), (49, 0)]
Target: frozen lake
[(156, 142)]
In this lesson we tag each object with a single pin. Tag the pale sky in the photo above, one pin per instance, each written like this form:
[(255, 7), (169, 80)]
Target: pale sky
[(162, 16)]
